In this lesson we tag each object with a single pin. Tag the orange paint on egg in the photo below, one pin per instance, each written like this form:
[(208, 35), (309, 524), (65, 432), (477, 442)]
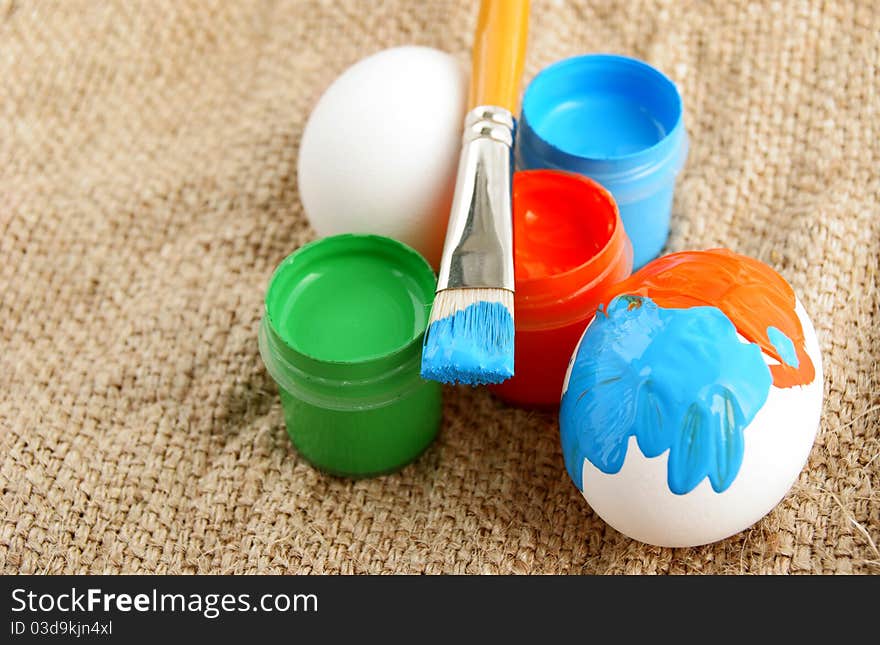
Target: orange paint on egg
[(751, 294)]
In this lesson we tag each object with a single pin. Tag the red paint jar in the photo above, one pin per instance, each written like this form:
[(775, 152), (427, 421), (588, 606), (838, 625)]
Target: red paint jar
[(569, 246)]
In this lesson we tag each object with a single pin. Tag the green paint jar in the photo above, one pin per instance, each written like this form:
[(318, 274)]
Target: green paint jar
[(341, 335)]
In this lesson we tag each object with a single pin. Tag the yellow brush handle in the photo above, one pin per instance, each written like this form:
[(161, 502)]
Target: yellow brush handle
[(499, 53)]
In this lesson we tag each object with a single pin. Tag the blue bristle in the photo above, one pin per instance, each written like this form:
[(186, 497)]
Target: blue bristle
[(473, 346)]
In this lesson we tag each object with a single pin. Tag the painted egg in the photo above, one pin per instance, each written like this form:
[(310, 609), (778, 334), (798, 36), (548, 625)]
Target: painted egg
[(693, 399), (380, 150)]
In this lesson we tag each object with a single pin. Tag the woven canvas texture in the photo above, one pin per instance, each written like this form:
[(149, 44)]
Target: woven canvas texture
[(148, 189)]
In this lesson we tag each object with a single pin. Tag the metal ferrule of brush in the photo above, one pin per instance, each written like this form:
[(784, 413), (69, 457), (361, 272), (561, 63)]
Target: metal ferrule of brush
[(478, 252)]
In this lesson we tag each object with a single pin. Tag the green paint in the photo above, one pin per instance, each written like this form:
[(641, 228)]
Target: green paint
[(342, 334), (350, 298)]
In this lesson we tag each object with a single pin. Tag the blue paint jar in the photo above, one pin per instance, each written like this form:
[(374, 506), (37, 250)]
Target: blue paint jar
[(618, 121)]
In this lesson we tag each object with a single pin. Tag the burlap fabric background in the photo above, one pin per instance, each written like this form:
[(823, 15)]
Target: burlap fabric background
[(148, 188)]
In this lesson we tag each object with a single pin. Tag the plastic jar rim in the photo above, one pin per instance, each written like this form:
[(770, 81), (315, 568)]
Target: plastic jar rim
[(336, 394), (548, 301), (365, 382), (611, 168)]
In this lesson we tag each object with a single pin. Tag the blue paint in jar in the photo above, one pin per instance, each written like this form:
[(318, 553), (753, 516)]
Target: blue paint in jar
[(678, 380), (618, 121)]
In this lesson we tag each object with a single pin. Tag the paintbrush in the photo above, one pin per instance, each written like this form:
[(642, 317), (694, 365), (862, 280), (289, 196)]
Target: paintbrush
[(470, 333)]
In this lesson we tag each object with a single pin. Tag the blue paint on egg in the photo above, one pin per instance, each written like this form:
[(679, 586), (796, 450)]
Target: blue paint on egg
[(678, 380), (784, 346)]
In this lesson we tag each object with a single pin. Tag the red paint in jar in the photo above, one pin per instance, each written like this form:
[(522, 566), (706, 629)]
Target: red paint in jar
[(569, 246)]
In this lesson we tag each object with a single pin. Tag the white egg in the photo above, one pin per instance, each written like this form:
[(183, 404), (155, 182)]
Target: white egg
[(380, 150), (638, 502)]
